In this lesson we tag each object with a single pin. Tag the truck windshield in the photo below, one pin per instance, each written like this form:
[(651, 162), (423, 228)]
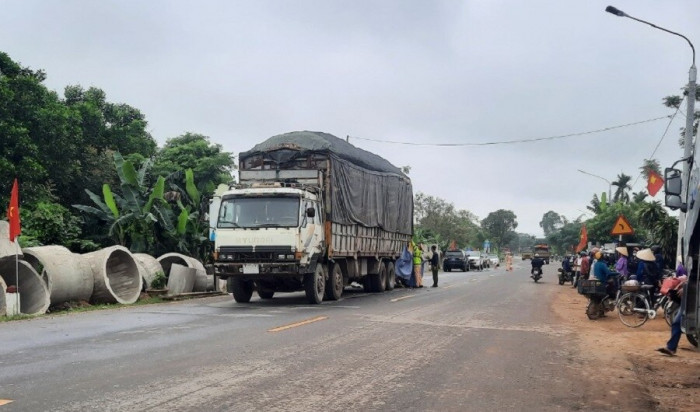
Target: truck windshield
[(251, 212)]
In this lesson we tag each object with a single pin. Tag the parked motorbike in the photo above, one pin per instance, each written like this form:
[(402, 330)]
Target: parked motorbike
[(536, 274), (565, 276), (599, 301)]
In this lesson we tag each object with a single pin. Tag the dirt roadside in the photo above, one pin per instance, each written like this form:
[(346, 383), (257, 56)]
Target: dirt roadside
[(626, 361)]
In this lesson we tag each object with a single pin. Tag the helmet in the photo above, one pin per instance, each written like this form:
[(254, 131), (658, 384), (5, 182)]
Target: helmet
[(537, 255)]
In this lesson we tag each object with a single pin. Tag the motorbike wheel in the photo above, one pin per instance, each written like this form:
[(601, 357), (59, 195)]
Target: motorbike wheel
[(693, 339), (592, 310), (670, 310), (633, 310), (561, 280)]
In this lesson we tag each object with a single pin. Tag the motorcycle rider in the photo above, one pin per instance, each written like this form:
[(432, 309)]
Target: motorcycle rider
[(537, 262)]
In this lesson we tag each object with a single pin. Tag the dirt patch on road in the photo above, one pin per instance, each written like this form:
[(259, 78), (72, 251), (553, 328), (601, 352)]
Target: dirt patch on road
[(626, 361)]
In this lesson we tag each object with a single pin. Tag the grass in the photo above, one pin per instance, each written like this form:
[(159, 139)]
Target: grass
[(77, 307)]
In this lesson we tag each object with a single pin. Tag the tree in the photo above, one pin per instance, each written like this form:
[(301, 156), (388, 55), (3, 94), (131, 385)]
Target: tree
[(638, 197), (550, 222), (674, 102), (564, 238), (438, 219), (210, 164), (662, 229), (650, 164), (623, 186), (500, 226)]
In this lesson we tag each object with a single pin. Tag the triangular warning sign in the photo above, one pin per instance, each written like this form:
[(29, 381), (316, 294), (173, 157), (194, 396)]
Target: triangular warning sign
[(622, 227)]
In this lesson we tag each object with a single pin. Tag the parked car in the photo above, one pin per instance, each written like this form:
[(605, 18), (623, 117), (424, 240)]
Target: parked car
[(494, 260), (455, 259), (476, 259)]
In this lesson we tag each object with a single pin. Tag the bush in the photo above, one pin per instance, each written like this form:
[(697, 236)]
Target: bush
[(159, 281)]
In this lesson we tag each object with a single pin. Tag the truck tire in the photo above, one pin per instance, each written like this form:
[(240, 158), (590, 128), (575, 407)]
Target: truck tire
[(315, 285), (378, 280), (242, 290), (334, 285), (390, 276)]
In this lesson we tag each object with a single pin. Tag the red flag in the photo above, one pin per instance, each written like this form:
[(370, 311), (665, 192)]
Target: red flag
[(584, 239), (654, 183), (13, 212)]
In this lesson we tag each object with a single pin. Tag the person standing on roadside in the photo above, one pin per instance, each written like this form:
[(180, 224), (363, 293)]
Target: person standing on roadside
[(509, 262), (585, 265), (435, 265), (417, 265), (621, 265)]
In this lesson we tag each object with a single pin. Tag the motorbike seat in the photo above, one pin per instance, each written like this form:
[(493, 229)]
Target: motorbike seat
[(648, 287)]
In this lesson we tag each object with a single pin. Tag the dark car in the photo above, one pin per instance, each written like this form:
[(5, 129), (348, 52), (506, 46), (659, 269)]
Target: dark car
[(455, 259)]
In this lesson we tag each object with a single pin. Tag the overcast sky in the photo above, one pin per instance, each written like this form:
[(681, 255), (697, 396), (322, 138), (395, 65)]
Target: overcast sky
[(418, 72)]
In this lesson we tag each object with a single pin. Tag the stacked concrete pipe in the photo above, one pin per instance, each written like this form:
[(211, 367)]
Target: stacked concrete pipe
[(201, 279), (67, 275), (3, 298), (116, 275), (148, 267), (8, 250), (181, 279), (33, 293)]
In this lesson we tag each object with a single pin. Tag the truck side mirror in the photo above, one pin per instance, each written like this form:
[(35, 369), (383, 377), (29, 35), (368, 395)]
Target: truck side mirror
[(673, 183), (311, 212)]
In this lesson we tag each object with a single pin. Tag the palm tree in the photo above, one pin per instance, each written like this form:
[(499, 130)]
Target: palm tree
[(623, 185), (638, 197), (595, 205)]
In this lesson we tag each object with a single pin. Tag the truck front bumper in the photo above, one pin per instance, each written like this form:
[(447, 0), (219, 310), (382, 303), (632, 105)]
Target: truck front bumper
[(258, 270)]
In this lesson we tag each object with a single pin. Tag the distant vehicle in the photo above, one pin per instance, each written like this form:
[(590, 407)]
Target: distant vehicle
[(526, 255), (543, 251), (494, 260), (455, 259), (476, 259)]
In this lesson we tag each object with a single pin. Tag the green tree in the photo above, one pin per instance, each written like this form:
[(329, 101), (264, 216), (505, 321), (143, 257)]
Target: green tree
[(210, 164), (661, 228), (623, 186), (500, 226), (440, 219), (551, 221)]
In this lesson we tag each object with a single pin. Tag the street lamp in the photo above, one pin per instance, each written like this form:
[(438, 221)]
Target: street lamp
[(606, 180), (690, 117)]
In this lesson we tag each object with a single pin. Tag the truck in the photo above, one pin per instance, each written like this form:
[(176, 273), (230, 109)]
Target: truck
[(310, 212), (543, 251)]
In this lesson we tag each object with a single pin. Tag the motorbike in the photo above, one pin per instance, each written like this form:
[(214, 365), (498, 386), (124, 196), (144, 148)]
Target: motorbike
[(599, 301), (565, 276), (536, 274)]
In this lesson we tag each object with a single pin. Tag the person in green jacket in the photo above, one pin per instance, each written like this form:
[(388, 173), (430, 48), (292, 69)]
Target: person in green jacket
[(417, 264)]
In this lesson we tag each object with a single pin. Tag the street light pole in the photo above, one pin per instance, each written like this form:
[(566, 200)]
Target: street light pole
[(606, 180), (690, 118)]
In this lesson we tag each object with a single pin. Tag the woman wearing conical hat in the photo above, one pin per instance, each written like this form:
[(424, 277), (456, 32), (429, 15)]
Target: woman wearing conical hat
[(621, 265)]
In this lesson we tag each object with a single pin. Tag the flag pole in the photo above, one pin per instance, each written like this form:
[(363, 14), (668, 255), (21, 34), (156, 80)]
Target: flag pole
[(17, 273)]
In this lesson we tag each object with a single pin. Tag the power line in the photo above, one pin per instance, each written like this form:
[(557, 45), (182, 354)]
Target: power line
[(537, 139), (651, 157)]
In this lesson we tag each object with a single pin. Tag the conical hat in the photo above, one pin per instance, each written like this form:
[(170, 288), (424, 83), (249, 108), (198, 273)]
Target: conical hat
[(646, 254), (622, 250)]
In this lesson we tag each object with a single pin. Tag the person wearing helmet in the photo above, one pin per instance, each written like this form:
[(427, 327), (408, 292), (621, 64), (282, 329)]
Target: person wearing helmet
[(537, 262)]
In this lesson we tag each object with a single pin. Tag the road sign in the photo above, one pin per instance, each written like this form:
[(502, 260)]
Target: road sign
[(622, 227)]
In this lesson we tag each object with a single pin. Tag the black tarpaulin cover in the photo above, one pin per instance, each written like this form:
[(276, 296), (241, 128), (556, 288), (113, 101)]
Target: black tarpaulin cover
[(365, 188)]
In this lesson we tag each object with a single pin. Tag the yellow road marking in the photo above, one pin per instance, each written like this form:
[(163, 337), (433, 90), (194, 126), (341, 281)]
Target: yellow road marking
[(5, 401), (402, 298), (302, 323)]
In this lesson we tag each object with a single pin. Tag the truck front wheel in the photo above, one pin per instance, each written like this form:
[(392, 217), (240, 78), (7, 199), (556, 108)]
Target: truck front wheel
[(315, 285), (334, 286), (242, 290)]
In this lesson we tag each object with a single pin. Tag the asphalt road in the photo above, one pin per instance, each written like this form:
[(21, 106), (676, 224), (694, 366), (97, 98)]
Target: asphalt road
[(481, 341)]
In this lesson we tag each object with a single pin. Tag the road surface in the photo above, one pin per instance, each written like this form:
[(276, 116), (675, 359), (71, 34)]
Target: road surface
[(480, 341)]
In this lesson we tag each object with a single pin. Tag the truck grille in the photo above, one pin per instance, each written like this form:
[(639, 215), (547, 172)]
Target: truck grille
[(255, 254)]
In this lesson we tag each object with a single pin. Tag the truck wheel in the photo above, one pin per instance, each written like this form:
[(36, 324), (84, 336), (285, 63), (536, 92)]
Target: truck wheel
[(334, 286), (242, 290), (378, 280), (315, 285), (390, 276)]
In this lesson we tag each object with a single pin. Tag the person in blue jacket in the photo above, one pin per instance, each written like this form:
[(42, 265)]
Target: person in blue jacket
[(604, 274)]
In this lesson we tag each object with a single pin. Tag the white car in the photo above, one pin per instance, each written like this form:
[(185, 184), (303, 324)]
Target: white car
[(476, 260), (495, 260)]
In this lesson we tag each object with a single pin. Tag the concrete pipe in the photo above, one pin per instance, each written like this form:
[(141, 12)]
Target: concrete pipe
[(181, 279), (168, 259), (116, 275), (33, 293), (149, 267), (3, 298), (67, 275), (8, 250)]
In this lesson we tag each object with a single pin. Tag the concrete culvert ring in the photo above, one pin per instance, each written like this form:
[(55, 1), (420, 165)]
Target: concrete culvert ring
[(3, 298), (201, 280), (116, 275), (66, 275), (33, 293)]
